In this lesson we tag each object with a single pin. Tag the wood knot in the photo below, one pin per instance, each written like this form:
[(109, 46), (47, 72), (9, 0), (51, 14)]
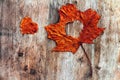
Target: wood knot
[(20, 54), (26, 68), (81, 59), (32, 71), (75, 2), (97, 67)]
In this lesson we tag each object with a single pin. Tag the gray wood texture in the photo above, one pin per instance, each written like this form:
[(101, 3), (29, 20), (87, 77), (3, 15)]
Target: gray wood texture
[(29, 57)]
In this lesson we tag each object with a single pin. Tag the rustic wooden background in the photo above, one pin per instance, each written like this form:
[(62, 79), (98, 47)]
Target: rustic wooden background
[(29, 57)]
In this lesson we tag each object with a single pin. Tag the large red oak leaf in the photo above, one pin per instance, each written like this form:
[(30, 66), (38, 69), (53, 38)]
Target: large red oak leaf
[(69, 13), (27, 26)]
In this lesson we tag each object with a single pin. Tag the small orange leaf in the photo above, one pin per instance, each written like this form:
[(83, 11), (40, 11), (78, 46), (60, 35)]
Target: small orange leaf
[(27, 26)]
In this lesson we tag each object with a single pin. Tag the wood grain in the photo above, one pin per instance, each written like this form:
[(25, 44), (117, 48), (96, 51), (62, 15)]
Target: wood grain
[(29, 57)]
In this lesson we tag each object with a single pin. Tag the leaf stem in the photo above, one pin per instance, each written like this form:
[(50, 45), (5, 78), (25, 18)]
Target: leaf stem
[(87, 59)]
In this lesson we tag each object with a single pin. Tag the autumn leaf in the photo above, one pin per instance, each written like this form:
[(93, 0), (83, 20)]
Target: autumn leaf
[(69, 13), (27, 26)]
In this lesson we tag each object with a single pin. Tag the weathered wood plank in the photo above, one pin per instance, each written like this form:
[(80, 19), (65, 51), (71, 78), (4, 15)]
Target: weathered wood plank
[(29, 57)]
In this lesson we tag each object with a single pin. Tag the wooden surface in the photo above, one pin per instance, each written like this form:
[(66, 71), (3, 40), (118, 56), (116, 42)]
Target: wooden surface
[(29, 57)]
